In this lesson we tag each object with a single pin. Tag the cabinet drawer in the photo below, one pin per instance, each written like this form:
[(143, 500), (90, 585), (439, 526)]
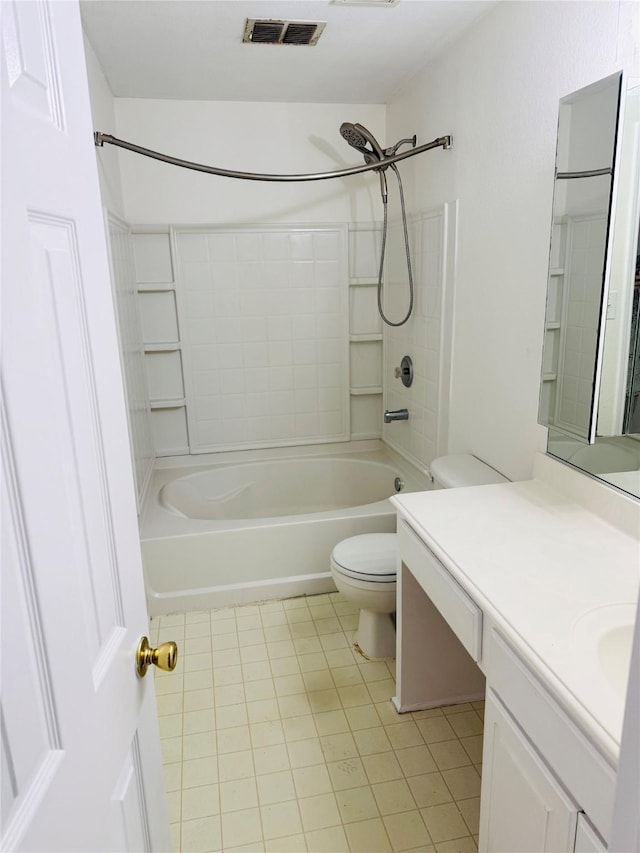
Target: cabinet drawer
[(459, 610), (572, 757)]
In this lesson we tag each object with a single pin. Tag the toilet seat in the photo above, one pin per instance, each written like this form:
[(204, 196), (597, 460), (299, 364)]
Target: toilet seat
[(370, 557)]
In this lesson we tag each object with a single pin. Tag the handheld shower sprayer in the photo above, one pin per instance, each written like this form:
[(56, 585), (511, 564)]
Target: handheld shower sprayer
[(358, 137), (365, 142)]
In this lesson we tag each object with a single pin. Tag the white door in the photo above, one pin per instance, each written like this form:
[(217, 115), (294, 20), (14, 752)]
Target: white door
[(81, 765)]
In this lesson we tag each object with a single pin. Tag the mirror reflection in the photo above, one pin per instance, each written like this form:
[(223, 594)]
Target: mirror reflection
[(576, 290), (590, 388), (631, 417)]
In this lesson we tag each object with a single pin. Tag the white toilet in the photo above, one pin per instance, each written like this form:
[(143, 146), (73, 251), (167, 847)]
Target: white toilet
[(364, 567)]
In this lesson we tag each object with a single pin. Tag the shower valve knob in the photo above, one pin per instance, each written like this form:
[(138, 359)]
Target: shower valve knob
[(405, 371)]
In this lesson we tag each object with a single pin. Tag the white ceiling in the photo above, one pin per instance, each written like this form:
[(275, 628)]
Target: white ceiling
[(192, 49)]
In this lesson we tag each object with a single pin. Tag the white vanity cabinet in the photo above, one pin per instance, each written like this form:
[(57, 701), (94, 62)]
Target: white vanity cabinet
[(524, 807), (545, 785)]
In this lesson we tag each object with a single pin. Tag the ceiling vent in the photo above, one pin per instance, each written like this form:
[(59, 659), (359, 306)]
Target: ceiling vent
[(282, 32)]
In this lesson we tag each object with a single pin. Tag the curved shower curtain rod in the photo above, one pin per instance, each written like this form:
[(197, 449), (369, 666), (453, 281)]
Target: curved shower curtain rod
[(100, 138)]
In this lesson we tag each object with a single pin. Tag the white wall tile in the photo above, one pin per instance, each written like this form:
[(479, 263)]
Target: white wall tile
[(301, 247), (364, 252), (285, 303), (363, 313), (158, 316), (152, 255), (419, 338), (366, 364), (222, 247), (169, 431), (164, 375), (366, 416)]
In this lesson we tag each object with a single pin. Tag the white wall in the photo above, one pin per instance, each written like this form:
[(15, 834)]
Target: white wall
[(104, 119), (250, 137), (123, 280), (496, 91)]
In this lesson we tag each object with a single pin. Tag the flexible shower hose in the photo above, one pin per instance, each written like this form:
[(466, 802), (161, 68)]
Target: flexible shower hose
[(407, 252)]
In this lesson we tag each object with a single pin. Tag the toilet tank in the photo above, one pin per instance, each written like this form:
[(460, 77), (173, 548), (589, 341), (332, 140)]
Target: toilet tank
[(450, 472)]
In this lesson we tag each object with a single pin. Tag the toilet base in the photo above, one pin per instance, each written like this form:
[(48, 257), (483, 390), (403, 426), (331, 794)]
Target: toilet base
[(376, 635)]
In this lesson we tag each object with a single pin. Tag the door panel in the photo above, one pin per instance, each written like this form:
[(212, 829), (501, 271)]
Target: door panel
[(81, 765), (30, 58), (28, 760)]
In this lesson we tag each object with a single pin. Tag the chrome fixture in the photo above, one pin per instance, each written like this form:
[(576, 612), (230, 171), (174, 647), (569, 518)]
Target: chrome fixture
[(359, 138), (376, 159), (100, 138), (396, 415), (405, 371), (398, 484)]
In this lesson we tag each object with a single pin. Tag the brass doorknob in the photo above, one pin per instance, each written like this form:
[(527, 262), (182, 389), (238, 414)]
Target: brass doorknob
[(165, 656)]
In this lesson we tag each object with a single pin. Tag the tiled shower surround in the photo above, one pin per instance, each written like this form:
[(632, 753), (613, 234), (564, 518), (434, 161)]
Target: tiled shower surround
[(265, 335), (421, 337), (261, 336)]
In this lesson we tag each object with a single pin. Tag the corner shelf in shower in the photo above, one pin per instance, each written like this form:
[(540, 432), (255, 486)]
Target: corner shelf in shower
[(179, 403), (366, 392), (175, 346), (357, 339), (155, 287)]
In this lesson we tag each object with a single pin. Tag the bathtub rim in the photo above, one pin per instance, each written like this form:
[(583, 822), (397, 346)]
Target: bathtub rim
[(350, 521), (158, 522)]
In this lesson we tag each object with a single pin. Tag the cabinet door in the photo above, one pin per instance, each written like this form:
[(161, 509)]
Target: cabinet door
[(587, 839), (523, 806)]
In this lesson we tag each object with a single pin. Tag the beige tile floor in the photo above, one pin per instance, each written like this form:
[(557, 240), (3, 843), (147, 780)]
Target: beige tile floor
[(277, 735)]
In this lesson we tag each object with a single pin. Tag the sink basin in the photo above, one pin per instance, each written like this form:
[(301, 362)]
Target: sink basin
[(603, 639), (614, 656)]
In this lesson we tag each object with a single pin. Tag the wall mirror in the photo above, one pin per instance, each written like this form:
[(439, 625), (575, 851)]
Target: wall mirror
[(590, 384)]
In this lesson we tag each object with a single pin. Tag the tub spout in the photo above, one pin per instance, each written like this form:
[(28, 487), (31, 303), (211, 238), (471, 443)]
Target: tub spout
[(396, 415)]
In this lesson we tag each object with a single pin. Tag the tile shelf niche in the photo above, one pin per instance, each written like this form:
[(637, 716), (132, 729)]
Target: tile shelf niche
[(167, 401), (365, 352)]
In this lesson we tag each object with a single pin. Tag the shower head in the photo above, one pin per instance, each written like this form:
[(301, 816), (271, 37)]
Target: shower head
[(359, 137)]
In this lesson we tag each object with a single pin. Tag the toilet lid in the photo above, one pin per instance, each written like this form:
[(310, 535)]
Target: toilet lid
[(370, 557)]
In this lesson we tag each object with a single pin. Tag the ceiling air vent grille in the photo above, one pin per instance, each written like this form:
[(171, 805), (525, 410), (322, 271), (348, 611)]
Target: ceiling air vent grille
[(282, 32)]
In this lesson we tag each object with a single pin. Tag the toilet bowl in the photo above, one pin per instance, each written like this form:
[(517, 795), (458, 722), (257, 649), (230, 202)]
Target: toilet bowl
[(364, 571), (364, 567)]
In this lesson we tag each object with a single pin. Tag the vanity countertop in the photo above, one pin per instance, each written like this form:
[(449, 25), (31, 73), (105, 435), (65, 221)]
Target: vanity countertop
[(551, 560)]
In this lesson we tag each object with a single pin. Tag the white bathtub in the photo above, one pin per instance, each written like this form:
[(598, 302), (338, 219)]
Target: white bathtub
[(236, 531)]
